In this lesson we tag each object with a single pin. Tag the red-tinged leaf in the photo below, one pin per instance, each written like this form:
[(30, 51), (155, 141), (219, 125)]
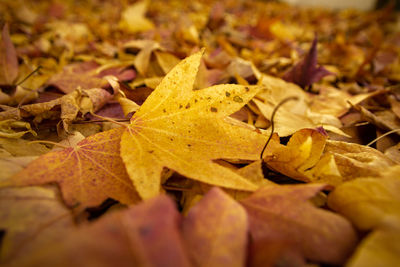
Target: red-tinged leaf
[(122, 73), (87, 173), (8, 58), (30, 216), (75, 75), (283, 214), (86, 76), (215, 231), (306, 71), (144, 235)]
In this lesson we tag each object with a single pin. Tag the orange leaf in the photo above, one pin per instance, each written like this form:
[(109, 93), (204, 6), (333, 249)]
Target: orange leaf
[(215, 231), (87, 173), (283, 214)]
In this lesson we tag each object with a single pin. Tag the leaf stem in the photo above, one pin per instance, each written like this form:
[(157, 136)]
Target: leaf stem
[(383, 135), (110, 120), (287, 99), (48, 142), (29, 75)]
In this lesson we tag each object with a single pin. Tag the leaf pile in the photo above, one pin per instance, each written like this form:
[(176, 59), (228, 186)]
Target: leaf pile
[(142, 123)]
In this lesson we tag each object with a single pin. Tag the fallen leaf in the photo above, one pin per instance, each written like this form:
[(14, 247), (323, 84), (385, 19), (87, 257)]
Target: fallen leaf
[(29, 217), (147, 234), (252, 172), (185, 130), (76, 75), (354, 160), (87, 173), (8, 59), (22, 147), (306, 72), (78, 101), (295, 115), (368, 201), (167, 61), (379, 248), (215, 231), (133, 18), (142, 59), (302, 158), (393, 153), (310, 157), (11, 165), (15, 129), (283, 214)]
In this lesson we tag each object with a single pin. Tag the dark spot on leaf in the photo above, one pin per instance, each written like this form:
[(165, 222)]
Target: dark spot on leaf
[(164, 110), (213, 109), (144, 230), (180, 106), (150, 151), (238, 99), (195, 101), (172, 139), (189, 145), (208, 98), (227, 94), (187, 106), (247, 89)]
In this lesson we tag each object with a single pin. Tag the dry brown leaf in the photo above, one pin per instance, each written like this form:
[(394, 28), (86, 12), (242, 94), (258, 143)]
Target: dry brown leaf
[(79, 101), (354, 160)]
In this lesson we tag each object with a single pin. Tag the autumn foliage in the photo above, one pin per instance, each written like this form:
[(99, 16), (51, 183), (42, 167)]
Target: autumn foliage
[(209, 133)]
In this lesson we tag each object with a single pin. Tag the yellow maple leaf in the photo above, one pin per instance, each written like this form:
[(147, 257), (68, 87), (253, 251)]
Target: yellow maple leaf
[(184, 130)]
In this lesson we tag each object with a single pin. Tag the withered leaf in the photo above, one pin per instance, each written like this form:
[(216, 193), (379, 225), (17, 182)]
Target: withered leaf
[(302, 158), (78, 101)]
